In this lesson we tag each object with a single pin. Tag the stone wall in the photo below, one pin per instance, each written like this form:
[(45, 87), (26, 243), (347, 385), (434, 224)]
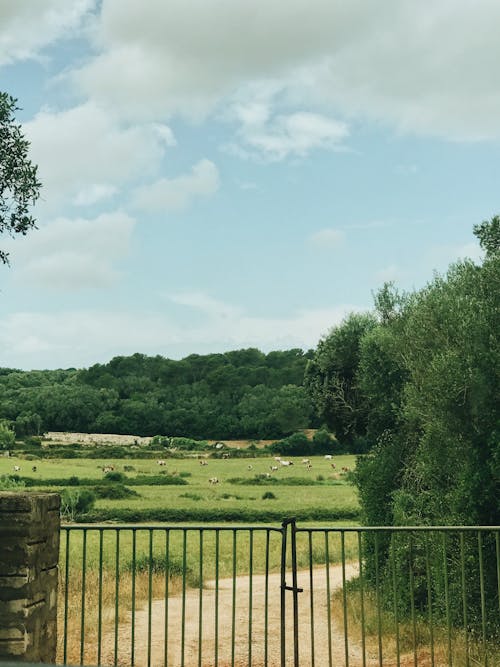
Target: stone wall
[(29, 555)]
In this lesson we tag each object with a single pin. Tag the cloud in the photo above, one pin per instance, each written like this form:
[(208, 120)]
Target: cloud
[(74, 254), (429, 69), (82, 152), (295, 134), (327, 238), (26, 27), (170, 194), (83, 337)]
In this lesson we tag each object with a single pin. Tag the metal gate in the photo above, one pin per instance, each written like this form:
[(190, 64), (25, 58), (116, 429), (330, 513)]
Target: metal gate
[(279, 595)]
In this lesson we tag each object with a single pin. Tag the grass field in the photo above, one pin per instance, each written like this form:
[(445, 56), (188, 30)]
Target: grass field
[(241, 487)]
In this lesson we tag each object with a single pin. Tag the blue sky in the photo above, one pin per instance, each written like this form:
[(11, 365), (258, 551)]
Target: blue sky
[(222, 174)]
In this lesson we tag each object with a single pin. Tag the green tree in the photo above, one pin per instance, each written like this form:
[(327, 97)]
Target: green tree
[(19, 185), (7, 437), (331, 378)]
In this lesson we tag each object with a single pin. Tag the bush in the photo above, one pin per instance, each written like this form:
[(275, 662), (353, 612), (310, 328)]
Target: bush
[(324, 443), (268, 495), (10, 483), (76, 502), (296, 444), (114, 492), (115, 476), (160, 565)]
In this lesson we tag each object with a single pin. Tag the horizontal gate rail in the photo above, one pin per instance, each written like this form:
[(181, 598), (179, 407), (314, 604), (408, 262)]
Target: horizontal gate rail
[(258, 595)]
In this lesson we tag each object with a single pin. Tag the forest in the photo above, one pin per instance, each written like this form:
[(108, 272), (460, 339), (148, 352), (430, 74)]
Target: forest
[(238, 394)]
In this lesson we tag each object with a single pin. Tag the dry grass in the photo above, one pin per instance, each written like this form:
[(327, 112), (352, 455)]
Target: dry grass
[(103, 605), (414, 642)]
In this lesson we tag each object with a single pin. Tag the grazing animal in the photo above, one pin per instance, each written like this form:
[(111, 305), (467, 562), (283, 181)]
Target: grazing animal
[(306, 461), (203, 463), (273, 468), (213, 480), (17, 468), (333, 465), (268, 475), (161, 462), (33, 469), (277, 458), (225, 456), (309, 466), (286, 463), (219, 445), (328, 457)]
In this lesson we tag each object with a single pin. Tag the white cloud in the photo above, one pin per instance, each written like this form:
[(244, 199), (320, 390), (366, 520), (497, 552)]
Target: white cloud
[(83, 337), (426, 68), (327, 238), (168, 194), (295, 134), (440, 256), (74, 254), (82, 150), (26, 27), (94, 193)]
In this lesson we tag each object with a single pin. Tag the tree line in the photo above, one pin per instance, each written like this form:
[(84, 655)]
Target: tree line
[(237, 394)]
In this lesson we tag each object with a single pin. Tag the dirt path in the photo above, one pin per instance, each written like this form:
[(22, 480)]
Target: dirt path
[(248, 641)]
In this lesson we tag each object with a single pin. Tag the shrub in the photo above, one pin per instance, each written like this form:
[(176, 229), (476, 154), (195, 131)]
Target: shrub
[(9, 483), (160, 565), (114, 491), (268, 495), (323, 442), (76, 502), (296, 444), (115, 476)]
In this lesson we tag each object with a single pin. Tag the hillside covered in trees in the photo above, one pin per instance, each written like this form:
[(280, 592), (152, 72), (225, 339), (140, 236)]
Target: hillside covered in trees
[(238, 394)]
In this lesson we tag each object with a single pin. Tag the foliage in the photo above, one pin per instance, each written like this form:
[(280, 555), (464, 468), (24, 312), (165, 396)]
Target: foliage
[(19, 185), (114, 491), (331, 378), (11, 483), (7, 437), (76, 502), (238, 394)]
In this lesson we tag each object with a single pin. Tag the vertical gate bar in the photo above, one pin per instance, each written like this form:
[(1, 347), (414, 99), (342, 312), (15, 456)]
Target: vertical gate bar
[(200, 604), (183, 612), (284, 531), (395, 599), (117, 593), (497, 543), (250, 596), (483, 601), (447, 597), (217, 535), (150, 593), (132, 633), (99, 598), (266, 602), (362, 596), (167, 582), (464, 599), (328, 609), (233, 619), (311, 594), (377, 589), (84, 573), (412, 602), (344, 598), (429, 597), (295, 595), (66, 583)]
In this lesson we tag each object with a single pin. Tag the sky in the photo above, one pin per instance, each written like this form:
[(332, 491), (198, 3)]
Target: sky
[(219, 174)]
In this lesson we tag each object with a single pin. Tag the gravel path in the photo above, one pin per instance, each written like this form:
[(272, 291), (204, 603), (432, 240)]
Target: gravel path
[(246, 646)]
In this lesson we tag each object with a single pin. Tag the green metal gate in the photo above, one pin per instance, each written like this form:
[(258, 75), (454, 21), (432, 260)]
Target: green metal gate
[(279, 595)]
